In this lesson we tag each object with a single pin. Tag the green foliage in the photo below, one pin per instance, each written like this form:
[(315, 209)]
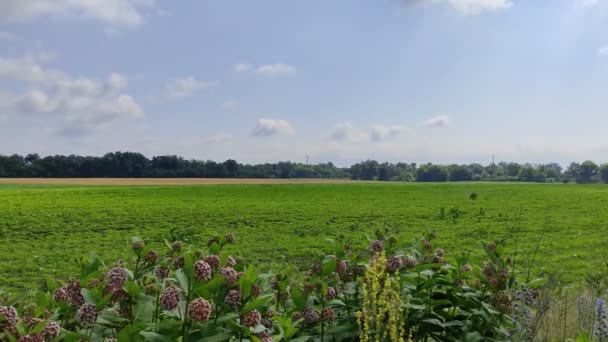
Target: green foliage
[(187, 293)]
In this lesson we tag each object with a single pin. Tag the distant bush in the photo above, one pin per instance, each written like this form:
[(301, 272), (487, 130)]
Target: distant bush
[(387, 291)]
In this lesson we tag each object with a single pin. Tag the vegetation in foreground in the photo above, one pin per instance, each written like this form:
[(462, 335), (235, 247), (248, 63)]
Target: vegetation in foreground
[(386, 292)]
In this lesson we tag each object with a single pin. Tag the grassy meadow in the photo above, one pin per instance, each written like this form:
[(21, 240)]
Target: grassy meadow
[(563, 228)]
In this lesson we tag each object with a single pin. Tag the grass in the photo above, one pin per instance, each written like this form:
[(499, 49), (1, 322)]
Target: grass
[(44, 227)]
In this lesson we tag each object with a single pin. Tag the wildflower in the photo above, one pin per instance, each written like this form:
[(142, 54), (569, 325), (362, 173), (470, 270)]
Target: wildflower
[(393, 264), (230, 262), (116, 277), (264, 337), (255, 291), (74, 296), (267, 323), (211, 241), (51, 330), (138, 245), (491, 247), (151, 257), (439, 252), (327, 314), (331, 293), (376, 246), (229, 237), (161, 272), (310, 315), (93, 283), (169, 298), (274, 284), (87, 314), (233, 298), (202, 270), (200, 310), (465, 268), (438, 260), (251, 319), (176, 246), (427, 244), (60, 295), (230, 275), (178, 262), (408, 261), (213, 261), (11, 317)]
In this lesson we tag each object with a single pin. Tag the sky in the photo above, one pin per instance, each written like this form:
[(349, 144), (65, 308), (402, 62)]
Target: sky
[(439, 81)]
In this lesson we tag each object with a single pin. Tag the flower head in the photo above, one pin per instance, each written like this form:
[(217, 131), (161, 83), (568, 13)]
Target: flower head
[(200, 310), (169, 298), (251, 319), (87, 314), (202, 270), (233, 298)]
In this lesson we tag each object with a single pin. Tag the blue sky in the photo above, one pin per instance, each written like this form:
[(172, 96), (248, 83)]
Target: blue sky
[(340, 80)]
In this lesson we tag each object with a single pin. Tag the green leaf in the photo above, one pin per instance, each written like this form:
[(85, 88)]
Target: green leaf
[(259, 302), (154, 337), (298, 297), (217, 338), (328, 267), (182, 279)]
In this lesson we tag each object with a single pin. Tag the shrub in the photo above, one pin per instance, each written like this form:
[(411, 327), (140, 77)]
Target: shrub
[(385, 291)]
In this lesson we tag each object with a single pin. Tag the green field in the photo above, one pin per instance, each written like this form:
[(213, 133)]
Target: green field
[(43, 228)]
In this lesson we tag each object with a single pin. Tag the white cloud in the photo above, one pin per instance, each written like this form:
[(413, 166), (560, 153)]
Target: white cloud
[(242, 67), (437, 121), (7, 36), (603, 51), (275, 70), (472, 7), (270, 127), (183, 87), (267, 70), (475, 7), (83, 103), (120, 12), (346, 132), (381, 132), (230, 104), (586, 3)]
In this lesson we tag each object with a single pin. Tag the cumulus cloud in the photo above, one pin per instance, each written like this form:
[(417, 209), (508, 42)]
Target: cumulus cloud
[(603, 51), (271, 127), (267, 70), (183, 87), (82, 103), (121, 12), (474, 7), (471, 7), (346, 132), (436, 121), (382, 132)]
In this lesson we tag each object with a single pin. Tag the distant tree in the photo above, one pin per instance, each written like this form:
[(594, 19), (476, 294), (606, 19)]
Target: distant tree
[(588, 170), (527, 173), (460, 173), (431, 173), (604, 173), (232, 168)]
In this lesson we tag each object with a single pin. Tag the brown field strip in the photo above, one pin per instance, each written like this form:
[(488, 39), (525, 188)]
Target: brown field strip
[(166, 181)]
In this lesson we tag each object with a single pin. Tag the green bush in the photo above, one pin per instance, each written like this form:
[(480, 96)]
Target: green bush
[(385, 291)]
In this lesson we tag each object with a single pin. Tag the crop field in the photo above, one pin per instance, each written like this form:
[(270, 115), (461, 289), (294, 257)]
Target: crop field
[(562, 228)]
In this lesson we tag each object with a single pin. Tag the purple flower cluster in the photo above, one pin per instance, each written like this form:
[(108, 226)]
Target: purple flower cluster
[(87, 314), (376, 246), (202, 270), (233, 298), (213, 261), (393, 264), (230, 275), (200, 310), (600, 328), (169, 298), (309, 314), (251, 319)]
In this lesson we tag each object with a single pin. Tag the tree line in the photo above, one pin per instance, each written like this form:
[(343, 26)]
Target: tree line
[(136, 165)]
